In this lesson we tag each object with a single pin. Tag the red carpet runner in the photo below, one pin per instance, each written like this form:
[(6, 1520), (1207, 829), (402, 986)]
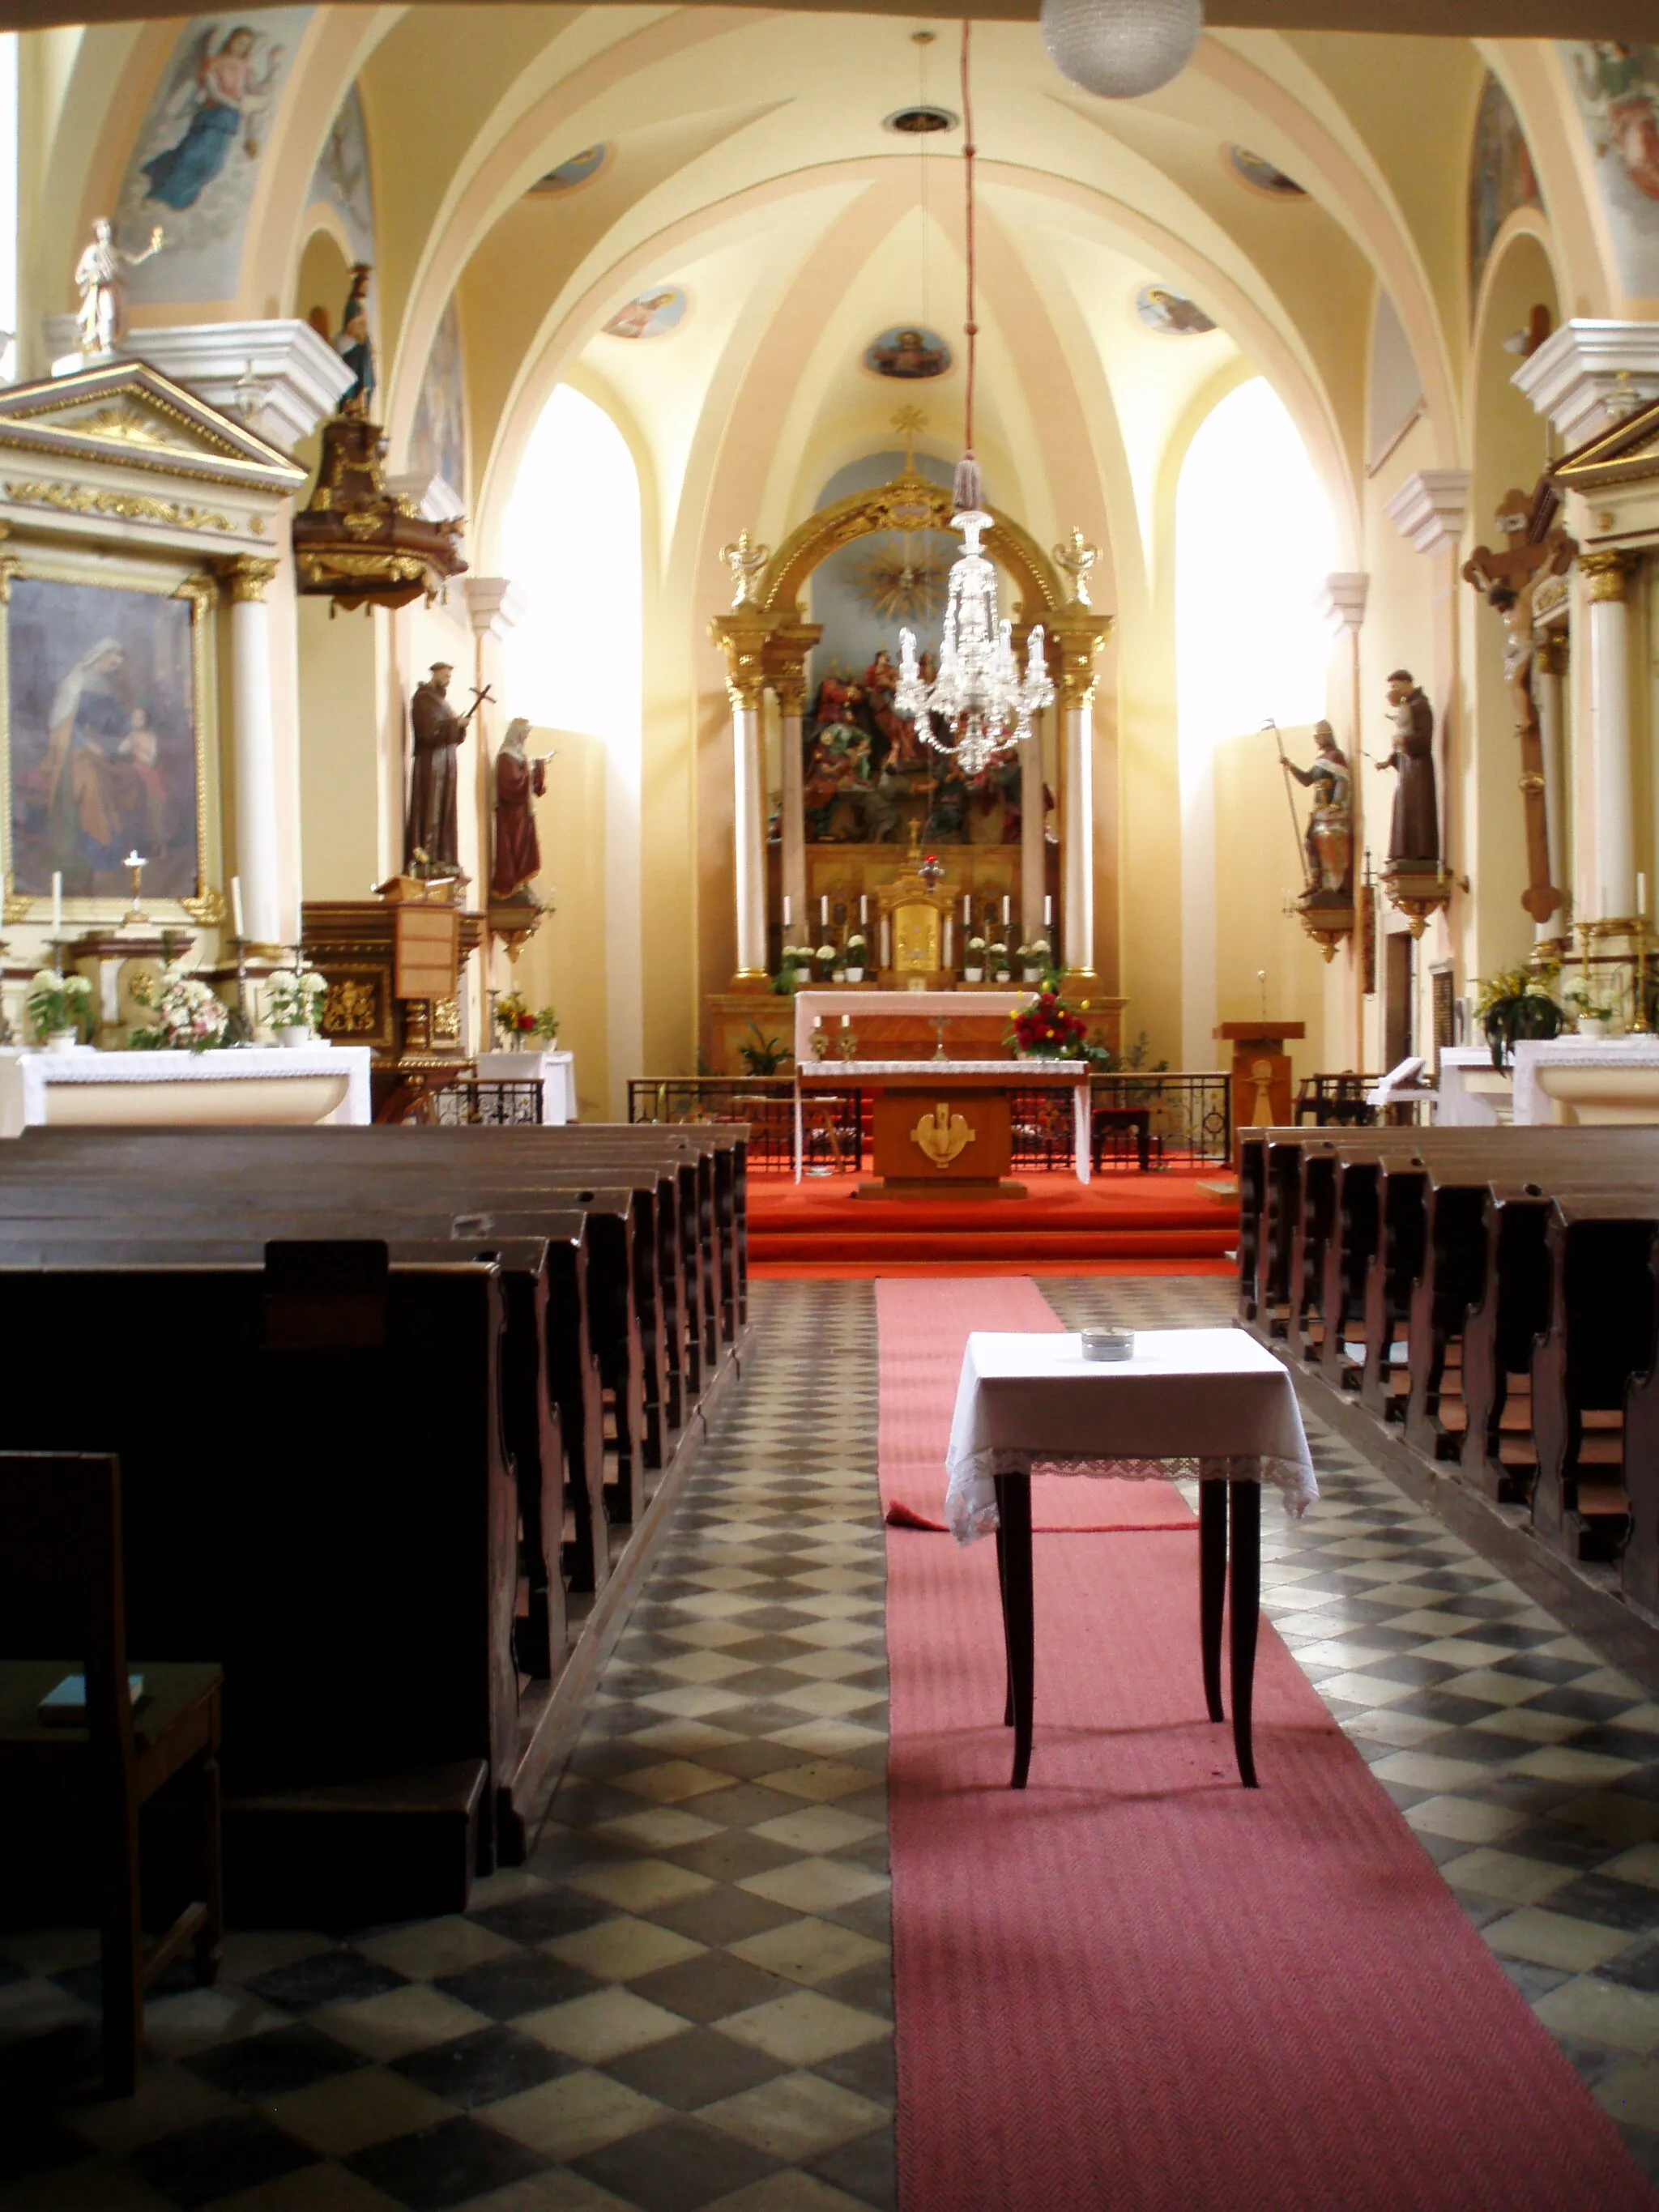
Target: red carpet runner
[(1136, 1987)]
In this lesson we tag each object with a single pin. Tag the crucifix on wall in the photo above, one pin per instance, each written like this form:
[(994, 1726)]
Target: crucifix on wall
[(1536, 547)]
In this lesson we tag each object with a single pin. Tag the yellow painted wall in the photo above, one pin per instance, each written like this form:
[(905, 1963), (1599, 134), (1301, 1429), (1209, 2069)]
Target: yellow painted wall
[(1257, 863), (564, 965)]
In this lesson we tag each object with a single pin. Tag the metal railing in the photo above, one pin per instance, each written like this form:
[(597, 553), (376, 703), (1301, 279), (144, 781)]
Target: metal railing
[(1152, 1120), (478, 1101), (1335, 1099)]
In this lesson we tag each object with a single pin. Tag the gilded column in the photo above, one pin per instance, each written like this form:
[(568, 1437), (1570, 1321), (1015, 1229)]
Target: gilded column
[(1549, 668), (1614, 888), (254, 737)]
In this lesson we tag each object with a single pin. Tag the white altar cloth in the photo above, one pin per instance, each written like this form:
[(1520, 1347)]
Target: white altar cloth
[(246, 1086), (1534, 1059), (1473, 1094), (554, 1070), (1205, 1401), (831, 1005)]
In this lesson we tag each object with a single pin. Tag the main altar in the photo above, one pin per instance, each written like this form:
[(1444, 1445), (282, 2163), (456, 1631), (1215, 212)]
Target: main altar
[(866, 859)]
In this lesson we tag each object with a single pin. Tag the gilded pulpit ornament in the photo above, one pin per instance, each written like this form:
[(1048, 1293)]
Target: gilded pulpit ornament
[(745, 559), (942, 1136), (1537, 551), (101, 279), (1326, 906), (1417, 881)]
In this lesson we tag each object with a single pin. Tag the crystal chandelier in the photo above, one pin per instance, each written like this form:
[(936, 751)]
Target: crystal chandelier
[(977, 692)]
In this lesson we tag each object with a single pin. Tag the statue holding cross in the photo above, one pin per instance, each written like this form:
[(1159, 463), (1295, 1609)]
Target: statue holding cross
[(1536, 547)]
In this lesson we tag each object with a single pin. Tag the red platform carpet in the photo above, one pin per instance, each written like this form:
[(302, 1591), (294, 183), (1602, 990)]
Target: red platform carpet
[(1163, 1222), (1136, 1987)]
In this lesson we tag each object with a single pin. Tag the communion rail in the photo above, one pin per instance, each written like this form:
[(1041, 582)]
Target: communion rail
[(471, 1103), (1155, 1119)]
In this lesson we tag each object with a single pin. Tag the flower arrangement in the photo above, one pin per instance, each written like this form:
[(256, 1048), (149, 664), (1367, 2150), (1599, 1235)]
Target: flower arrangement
[(976, 945), (58, 1002), (517, 1021), (825, 956), (188, 1016), (293, 999), (1516, 1003), (996, 959), (1046, 1029)]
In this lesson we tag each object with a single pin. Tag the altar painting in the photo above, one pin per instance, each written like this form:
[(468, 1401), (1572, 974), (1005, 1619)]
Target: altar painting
[(103, 737), (868, 777)]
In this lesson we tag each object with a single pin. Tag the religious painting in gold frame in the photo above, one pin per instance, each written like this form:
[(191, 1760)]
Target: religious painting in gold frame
[(108, 742)]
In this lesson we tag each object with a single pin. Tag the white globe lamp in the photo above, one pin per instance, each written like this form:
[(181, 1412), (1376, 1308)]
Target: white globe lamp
[(1122, 48)]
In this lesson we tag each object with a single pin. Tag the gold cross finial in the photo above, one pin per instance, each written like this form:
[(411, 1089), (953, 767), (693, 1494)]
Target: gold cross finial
[(909, 421), (1077, 556)]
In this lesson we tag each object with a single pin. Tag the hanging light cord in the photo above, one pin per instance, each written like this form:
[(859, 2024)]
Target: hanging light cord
[(967, 495)]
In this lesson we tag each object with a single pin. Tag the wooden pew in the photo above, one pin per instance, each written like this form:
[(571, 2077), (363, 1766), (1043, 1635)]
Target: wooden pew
[(316, 1491)]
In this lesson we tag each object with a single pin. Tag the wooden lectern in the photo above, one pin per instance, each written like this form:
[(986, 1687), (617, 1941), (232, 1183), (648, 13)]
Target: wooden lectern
[(1260, 1073)]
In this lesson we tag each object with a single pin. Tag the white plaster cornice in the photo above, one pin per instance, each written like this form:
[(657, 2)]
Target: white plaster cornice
[(434, 498), (277, 375), (1590, 376), (1341, 601), (494, 605), (1430, 508)]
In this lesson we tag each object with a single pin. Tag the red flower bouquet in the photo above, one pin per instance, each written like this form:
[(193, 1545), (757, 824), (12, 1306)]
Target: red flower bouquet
[(1048, 1029)]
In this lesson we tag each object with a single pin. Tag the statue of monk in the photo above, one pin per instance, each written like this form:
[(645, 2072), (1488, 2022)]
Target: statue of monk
[(432, 845), (519, 783), (1414, 833)]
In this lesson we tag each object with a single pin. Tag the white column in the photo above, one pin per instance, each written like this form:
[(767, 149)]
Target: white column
[(1032, 872), (1547, 695), (748, 833), (1614, 888), (793, 826), (254, 729), (1076, 859)]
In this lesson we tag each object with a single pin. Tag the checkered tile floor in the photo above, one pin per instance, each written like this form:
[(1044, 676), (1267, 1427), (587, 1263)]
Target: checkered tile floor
[(683, 2002)]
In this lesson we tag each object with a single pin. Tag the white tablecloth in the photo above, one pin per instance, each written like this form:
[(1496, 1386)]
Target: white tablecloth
[(554, 1070), (1464, 1107), (28, 1077), (1532, 1105), (1205, 1401)]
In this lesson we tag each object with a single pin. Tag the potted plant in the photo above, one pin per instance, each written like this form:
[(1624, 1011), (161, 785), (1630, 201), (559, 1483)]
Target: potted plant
[(1593, 1017), (855, 951), (188, 1015), (58, 1005), (1517, 1004), (997, 960), (1030, 968), (825, 957), (973, 968), (294, 1002), (767, 1056), (547, 1028), (1048, 1029), (1043, 959)]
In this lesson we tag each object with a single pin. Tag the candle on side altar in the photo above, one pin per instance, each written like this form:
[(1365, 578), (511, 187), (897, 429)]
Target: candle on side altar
[(1641, 898), (948, 961), (864, 909), (57, 905), (824, 910), (236, 905), (1005, 909), (1047, 909), (788, 916), (886, 943), (967, 910)]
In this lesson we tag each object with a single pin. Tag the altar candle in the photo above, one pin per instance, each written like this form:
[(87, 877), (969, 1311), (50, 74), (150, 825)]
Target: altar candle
[(847, 1021), (786, 917), (1641, 898), (1048, 910), (824, 910), (57, 906), (948, 961), (864, 909), (886, 943), (236, 905), (967, 911), (817, 1021), (1004, 909)]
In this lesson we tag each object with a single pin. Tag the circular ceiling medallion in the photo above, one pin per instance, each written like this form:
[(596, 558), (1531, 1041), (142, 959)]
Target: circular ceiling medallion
[(1257, 171), (650, 315), (918, 122), (1171, 314), (578, 169), (908, 352)]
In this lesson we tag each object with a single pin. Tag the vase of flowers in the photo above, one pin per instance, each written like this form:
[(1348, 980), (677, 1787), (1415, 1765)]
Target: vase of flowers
[(1047, 1030), (854, 957), (825, 957), (973, 966), (997, 960), (293, 1005), (1517, 1004), (58, 1006), (186, 1014), (1030, 968)]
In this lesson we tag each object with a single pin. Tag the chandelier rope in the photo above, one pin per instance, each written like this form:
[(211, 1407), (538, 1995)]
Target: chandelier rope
[(977, 692)]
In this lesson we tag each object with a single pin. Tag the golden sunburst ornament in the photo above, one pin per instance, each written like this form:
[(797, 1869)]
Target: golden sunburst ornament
[(901, 581)]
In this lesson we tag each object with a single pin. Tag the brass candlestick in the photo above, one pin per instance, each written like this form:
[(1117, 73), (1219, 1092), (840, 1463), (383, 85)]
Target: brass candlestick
[(1639, 1022)]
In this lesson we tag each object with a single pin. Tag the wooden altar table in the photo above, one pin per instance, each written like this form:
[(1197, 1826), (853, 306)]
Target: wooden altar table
[(945, 1127)]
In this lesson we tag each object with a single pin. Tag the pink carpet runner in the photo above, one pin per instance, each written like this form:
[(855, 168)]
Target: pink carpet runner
[(1135, 1986)]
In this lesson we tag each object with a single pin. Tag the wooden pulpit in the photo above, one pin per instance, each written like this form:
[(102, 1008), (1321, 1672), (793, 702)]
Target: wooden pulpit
[(1260, 1073)]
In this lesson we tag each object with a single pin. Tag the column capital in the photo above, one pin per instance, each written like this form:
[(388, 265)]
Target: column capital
[(1550, 652), (494, 605), (1590, 375), (1342, 599), (744, 635), (1073, 636), (246, 578), (784, 659), (1430, 509), (1608, 573)]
